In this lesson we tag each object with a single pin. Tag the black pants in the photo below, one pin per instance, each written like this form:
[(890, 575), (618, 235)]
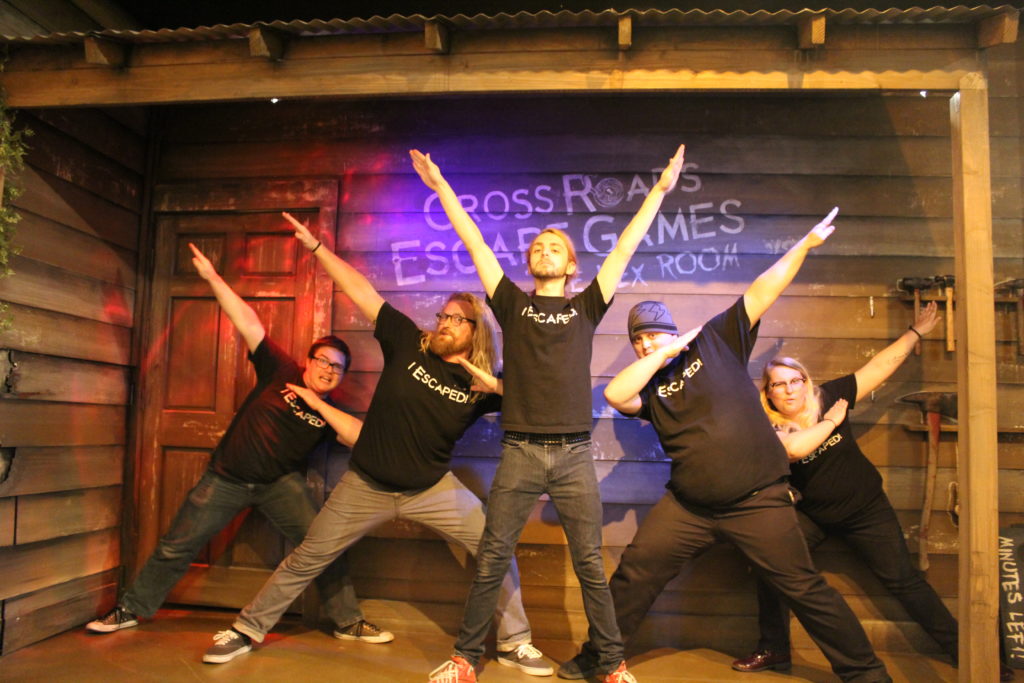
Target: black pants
[(764, 528), (875, 534)]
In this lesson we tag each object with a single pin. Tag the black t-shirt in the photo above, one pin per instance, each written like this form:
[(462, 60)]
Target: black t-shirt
[(836, 479), (548, 344), (421, 407), (274, 430), (709, 419)]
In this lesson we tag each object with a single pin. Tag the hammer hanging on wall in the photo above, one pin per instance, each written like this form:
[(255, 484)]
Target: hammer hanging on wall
[(934, 405), (946, 282), (914, 285)]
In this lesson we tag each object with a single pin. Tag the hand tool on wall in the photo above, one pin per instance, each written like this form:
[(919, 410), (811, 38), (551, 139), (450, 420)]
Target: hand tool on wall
[(1015, 291), (914, 285), (946, 282), (934, 405)]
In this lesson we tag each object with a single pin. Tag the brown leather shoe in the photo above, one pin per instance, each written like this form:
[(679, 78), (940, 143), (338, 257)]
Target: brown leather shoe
[(764, 660)]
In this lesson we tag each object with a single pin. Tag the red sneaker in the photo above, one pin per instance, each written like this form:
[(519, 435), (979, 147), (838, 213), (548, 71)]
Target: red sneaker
[(620, 675), (455, 670)]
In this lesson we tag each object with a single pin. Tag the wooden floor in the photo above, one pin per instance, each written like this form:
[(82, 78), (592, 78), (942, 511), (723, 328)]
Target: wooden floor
[(170, 648)]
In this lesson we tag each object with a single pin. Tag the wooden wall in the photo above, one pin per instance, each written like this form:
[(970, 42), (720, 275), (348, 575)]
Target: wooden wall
[(760, 171), (66, 367)]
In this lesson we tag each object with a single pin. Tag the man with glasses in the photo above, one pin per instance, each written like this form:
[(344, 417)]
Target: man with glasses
[(258, 464), (400, 468), (729, 471)]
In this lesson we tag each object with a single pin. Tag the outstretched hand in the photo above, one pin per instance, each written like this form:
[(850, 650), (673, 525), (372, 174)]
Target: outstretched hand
[(428, 171), (670, 176), (837, 413), (482, 380), (202, 264), (927, 318), (820, 232), (302, 233)]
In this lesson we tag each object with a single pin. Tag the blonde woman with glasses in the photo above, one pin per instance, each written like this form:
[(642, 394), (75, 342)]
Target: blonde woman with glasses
[(842, 491)]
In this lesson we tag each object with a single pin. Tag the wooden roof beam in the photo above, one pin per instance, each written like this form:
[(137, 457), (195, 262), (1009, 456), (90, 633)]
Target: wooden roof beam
[(106, 52), (625, 32), (810, 31), (266, 42), (435, 37), (999, 29)]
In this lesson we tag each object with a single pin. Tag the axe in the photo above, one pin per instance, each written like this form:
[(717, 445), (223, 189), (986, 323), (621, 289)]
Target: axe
[(934, 405)]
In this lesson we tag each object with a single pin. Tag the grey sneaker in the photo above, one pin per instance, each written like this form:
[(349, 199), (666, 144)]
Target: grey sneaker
[(226, 646), (114, 620), (364, 631), (527, 659)]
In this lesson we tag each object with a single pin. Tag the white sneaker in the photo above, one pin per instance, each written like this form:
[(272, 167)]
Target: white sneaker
[(114, 620)]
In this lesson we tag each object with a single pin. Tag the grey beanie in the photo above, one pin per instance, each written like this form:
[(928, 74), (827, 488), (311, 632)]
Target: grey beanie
[(650, 315)]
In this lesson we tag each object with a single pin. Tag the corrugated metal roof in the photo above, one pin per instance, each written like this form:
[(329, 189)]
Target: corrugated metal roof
[(531, 20)]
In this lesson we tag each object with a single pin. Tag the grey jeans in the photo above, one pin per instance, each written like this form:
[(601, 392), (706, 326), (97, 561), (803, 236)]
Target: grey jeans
[(356, 506)]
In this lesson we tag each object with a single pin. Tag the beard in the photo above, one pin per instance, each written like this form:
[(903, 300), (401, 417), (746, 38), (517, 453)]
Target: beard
[(547, 271), (444, 344)]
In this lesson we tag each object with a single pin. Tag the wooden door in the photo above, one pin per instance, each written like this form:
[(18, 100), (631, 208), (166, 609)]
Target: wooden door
[(194, 372)]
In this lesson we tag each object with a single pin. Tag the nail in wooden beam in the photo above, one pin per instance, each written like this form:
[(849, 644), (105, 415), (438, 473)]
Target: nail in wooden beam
[(811, 31), (625, 32), (999, 29), (435, 36), (266, 42), (105, 52)]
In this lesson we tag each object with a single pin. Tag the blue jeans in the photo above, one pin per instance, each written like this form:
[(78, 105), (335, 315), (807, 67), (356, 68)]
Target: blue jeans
[(566, 474), (210, 505)]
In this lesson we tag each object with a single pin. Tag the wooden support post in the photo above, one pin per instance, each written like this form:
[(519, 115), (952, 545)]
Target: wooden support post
[(811, 31), (998, 29), (976, 382), (266, 42), (435, 37), (105, 52), (625, 32)]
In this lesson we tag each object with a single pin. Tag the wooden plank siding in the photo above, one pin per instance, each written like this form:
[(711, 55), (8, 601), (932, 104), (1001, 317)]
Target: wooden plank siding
[(760, 171), (66, 389)]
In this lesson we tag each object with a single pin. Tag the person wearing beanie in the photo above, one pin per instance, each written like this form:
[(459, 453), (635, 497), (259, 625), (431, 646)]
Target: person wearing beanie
[(728, 470)]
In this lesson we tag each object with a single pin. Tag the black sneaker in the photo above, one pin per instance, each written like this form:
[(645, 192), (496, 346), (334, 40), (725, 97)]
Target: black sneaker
[(114, 620), (364, 631), (226, 646), (583, 665)]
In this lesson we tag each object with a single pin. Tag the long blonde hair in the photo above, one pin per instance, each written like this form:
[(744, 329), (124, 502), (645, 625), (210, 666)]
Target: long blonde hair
[(811, 413), (483, 351)]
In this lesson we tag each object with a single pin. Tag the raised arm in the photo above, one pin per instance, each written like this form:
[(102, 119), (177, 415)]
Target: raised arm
[(884, 363), (346, 426), (763, 292), (350, 280), (239, 313), (487, 266), (803, 442), (615, 264), (623, 391)]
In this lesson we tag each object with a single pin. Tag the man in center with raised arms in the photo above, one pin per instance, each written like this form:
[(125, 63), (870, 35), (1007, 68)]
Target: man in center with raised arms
[(546, 415)]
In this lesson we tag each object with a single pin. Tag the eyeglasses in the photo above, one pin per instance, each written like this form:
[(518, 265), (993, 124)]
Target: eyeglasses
[(324, 364), (454, 317), (794, 383)]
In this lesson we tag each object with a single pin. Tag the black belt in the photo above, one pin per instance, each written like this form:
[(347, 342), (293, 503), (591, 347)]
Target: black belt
[(549, 439)]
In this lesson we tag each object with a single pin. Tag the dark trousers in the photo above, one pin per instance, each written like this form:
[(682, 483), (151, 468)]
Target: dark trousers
[(874, 533), (764, 528)]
